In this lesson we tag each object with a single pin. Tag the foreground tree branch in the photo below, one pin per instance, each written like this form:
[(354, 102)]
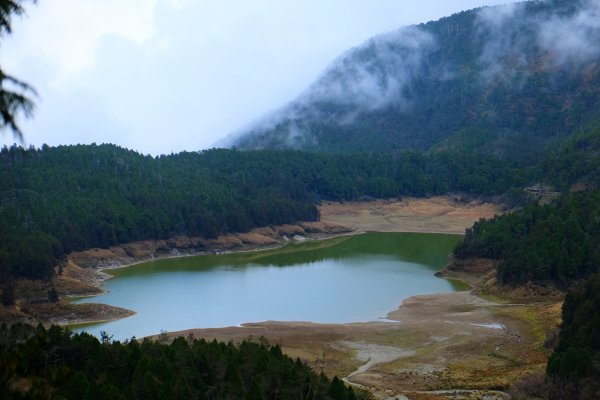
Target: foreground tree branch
[(14, 93)]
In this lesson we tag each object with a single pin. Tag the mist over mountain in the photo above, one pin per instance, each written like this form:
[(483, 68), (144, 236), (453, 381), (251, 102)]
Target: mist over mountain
[(507, 80)]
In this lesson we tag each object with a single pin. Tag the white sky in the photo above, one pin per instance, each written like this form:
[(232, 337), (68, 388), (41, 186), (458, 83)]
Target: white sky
[(162, 76)]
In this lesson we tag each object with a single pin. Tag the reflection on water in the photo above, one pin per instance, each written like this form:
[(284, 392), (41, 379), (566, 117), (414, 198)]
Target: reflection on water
[(346, 279)]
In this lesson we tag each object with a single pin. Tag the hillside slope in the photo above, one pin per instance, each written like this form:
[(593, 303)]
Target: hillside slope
[(506, 80), (56, 200)]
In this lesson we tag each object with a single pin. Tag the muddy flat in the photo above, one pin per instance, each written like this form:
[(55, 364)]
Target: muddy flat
[(437, 346), (433, 345)]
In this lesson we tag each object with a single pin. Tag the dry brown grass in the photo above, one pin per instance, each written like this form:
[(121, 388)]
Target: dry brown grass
[(443, 214), (443, 345)]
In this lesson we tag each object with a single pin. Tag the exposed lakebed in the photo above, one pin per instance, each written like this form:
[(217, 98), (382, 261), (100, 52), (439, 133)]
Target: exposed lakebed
[(345, 279)]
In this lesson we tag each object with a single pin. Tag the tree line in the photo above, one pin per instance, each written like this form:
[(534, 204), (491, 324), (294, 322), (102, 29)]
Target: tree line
[(555, 243), (574, 367), (53, 363), (54, 200)]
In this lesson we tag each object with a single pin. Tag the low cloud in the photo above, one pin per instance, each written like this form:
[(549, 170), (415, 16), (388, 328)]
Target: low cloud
[(567, 35), (500, 27), (365, 78), (575, 38), (373, 75)]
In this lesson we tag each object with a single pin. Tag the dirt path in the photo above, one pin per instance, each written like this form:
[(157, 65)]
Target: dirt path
[(373, 354)]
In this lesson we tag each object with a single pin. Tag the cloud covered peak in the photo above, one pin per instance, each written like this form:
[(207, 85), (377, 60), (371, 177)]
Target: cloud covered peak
[(373, 75), (563, 33), (505, 70)]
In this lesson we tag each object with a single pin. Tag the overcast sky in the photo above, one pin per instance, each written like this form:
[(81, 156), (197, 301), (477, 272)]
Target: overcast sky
[(162, 76)]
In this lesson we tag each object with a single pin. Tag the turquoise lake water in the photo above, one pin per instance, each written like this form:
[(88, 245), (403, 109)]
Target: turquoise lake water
[(346, 279)]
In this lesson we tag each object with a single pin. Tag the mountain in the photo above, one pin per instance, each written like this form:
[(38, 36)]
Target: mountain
[(506, 80)]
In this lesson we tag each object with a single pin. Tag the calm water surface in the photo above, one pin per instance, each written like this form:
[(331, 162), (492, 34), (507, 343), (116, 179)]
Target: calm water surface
[(347, 279)]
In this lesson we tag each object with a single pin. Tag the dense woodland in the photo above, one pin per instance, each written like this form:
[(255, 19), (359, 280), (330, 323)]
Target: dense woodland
[(557, 243), (575, 365), (60, 365), (55, 200), (573, 161)]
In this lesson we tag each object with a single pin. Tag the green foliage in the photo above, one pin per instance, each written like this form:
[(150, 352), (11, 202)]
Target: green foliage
[(60, 365), (554, 243), (55, 200), (576, 361), (8, 9), (575, 160)]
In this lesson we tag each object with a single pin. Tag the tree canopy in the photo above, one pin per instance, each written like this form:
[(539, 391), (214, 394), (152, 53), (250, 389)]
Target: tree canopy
[(558, 243), (575, 363), (56, 364)]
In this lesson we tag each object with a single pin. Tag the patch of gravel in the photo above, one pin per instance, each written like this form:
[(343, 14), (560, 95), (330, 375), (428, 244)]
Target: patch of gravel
[(373, 354)]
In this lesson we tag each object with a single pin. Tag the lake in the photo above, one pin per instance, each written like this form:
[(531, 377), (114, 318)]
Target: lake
[(346, 279)]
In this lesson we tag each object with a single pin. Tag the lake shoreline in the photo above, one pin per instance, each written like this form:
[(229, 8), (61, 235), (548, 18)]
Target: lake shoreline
[(84, 272), (113, 259), (430, 345), (468, 340), (438, 214), (423, 213), (471, 340)]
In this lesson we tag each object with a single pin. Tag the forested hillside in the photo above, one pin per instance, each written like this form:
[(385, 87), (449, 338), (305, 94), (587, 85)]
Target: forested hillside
[(41, 364), (508, 80), (57, 200), (575, 161), (557, 244)]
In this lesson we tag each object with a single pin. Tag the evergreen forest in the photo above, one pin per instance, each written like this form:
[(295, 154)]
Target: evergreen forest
[(554, 243), (60, 365), (487, 77), (574, 366), (55, 200)]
